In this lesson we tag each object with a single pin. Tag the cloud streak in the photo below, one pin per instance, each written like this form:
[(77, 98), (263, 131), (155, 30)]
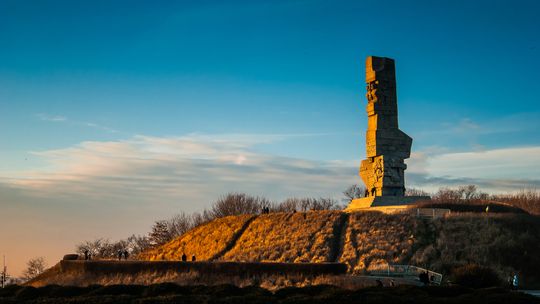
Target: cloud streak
[(51, 118), (63, 119)]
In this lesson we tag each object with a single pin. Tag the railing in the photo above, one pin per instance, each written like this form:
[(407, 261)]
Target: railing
[(405, 271), (431, 212), (420, 212)]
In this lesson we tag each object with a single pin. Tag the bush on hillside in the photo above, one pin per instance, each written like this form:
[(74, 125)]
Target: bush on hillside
[(475, 276)]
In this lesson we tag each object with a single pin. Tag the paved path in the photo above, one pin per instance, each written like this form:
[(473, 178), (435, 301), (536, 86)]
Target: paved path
[(535, 293)]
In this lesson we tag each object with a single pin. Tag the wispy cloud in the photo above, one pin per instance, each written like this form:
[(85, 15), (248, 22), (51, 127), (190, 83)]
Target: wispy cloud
[(194, 167), (200, 167), (99, 127), (496, 170), (52, 118), (63, 119)]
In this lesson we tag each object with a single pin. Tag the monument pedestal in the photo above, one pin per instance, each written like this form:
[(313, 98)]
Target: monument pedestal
[(385, 203)]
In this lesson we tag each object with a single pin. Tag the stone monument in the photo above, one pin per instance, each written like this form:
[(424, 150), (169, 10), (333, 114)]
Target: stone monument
[(387, 147)]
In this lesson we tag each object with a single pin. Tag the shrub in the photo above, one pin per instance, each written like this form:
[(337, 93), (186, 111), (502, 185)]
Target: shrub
[(475, 276)]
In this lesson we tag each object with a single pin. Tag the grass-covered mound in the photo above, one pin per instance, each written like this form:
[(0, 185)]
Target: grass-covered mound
[(206, 242), (171, 293), (508, 243), (289, 237), (373, 238)]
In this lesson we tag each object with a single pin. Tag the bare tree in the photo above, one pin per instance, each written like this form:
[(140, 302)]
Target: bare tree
[(34, 267), (160, 233), (469, 191), (198, 219), (179, 224), (137, 244), (98, 248), (307, 203), (415, 192), (288, 205), (448, 195), (354, 191), (238, 203)]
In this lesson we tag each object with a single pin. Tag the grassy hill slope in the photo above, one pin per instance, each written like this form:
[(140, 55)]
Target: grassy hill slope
[(288, 237), (507, 243), (205, 242), (373, 238)]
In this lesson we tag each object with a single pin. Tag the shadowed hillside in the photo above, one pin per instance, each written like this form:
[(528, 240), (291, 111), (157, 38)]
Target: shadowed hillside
[(506, 243)]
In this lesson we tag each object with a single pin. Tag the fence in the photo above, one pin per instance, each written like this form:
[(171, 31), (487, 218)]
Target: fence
[(405, 271)]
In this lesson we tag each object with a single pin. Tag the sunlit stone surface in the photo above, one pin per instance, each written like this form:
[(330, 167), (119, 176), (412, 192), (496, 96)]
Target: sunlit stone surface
[(387, 147)]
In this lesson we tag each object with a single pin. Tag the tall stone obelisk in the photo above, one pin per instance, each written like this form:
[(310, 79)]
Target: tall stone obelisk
[(387, 147)]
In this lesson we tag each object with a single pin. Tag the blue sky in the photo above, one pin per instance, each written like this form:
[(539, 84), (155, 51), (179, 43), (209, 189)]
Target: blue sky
[(117, 113)]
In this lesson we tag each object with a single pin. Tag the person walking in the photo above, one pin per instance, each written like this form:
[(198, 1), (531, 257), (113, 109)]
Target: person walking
[(86, 255), (119, 255), (126, 254), (515, 282), (184, 257), (193, 258)]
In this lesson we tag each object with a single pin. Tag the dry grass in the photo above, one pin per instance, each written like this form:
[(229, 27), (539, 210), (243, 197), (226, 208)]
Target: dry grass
[(287, 237), (204, 241), (374, 238), (506, 243)]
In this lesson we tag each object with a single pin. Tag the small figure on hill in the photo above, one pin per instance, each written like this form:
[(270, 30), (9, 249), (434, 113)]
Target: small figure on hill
[(515, 282), (126, 255), (193, 259), (184, 257), (119, 255), (86, 255), (392, 283)]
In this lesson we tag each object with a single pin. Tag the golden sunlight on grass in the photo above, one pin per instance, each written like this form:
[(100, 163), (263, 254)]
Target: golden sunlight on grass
[(287, 237), (204, 242), (372, 238)]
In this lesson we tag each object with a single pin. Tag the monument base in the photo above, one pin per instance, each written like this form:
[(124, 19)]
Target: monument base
[(385, 203)]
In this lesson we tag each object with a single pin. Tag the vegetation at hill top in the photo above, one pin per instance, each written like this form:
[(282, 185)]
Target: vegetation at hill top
[(240, 227)]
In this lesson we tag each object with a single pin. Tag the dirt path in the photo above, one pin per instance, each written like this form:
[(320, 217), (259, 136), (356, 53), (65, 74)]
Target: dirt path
[(234, 239), (339, 238)]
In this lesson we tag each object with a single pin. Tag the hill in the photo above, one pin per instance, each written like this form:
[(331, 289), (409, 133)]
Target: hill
[(508, 243), (206, 242)]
